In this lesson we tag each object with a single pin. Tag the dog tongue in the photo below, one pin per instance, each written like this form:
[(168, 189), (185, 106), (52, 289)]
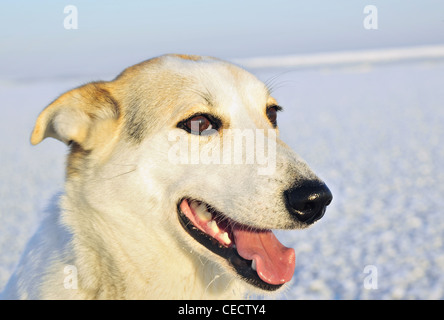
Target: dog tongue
[(275, 263)]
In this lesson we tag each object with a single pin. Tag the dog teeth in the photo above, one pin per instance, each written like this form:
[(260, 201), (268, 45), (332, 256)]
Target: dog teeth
[(225, 238), (194, 204), (205, 217), (213, 226), (253, 265), (201, 211)]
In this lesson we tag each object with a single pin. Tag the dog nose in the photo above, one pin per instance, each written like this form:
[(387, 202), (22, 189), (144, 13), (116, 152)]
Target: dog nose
[(308, 201)]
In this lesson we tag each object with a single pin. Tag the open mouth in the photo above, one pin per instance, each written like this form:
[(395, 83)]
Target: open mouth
[(255, 254)]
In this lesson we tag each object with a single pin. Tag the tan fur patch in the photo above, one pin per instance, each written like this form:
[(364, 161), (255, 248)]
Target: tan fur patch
[(188, 57)]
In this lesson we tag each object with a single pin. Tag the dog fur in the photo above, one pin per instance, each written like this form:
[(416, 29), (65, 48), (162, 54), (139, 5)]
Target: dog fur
[(114, 229)]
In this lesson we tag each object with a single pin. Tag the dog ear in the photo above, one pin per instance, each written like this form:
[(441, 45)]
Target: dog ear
[(75, 115)]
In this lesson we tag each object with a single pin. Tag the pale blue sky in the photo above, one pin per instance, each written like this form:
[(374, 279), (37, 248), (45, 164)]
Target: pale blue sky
[(115, 34)]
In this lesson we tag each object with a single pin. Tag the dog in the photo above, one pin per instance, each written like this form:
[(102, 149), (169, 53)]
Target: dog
[(138, 221)]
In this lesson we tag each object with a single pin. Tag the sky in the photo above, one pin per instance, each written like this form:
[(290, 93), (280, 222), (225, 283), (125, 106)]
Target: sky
[(111, 35)]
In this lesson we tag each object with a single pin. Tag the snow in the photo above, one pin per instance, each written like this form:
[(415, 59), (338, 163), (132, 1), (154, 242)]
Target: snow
[(372, 131)]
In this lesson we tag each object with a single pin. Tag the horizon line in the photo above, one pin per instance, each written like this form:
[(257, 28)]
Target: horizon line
[(368, 56)]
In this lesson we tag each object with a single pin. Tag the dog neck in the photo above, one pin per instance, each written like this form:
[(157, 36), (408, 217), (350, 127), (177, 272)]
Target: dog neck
[(144, 262)]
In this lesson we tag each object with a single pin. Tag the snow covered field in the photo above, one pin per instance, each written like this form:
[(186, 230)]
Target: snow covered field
[(373, 132)]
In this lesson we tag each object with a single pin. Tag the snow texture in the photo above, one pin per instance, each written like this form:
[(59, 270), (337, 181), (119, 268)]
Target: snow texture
[(373, 132)]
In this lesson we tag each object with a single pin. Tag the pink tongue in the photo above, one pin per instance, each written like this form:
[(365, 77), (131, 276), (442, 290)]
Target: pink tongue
[(275, 263)]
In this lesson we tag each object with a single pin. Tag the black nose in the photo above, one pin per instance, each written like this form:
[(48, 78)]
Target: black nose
[(307, 201)]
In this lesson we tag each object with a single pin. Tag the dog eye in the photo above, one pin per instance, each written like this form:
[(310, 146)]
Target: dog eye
[(200, 124), (272, 114)]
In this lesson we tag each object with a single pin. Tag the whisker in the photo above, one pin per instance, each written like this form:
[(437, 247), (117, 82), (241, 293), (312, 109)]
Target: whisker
[(134, 168), (272, 85)]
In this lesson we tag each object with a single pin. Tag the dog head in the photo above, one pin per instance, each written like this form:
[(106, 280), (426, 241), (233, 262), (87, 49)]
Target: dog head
[(188, 147)]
